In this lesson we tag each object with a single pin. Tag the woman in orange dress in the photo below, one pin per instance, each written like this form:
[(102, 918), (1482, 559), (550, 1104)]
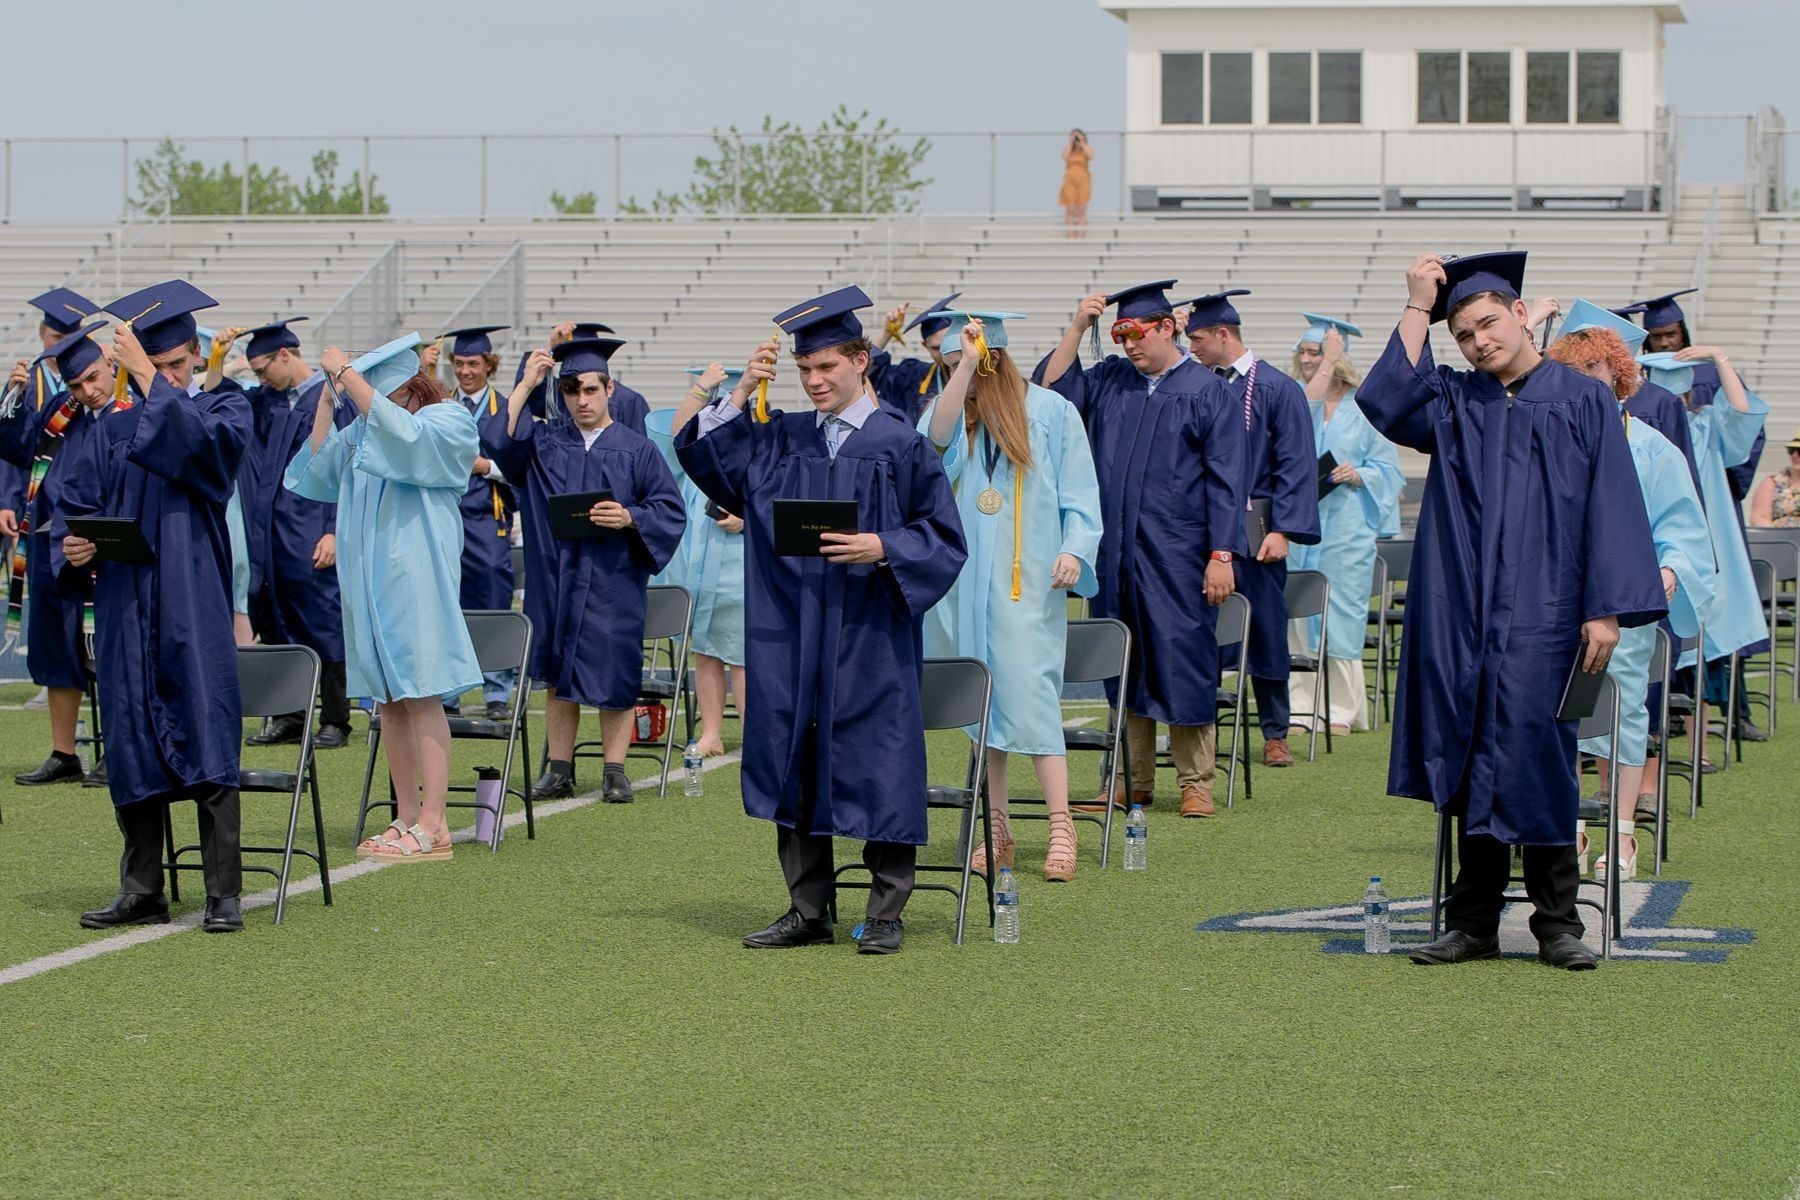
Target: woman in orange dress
[(1077, 184)]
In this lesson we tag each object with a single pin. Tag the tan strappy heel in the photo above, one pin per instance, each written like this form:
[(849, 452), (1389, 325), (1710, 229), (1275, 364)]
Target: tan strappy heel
[(1003, 849), (1059, 860)]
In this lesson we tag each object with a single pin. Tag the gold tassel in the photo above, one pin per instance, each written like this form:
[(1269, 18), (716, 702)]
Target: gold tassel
[(985, 362), (1018, 526), (762, 389), (221, 346)]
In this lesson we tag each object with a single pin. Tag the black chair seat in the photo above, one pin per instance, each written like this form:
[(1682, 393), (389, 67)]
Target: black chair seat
[(653, 688), (257, 779), (480, 727), (944, 796), (1681, 704), (1303, 662), (1087, 739), (1227, 698), (1371, 641)]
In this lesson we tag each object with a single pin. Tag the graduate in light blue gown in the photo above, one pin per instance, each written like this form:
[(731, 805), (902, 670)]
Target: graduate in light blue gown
[(1363, 505), (709, 563), (1033, 535), (397, 474), (1683, 552)]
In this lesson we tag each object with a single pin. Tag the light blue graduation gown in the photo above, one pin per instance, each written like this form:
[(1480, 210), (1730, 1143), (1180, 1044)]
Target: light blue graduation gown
[(1022, 641), (240, 554), (1350, 520), (1683, 545), (1723, 438), (398, 480), (709, 563)]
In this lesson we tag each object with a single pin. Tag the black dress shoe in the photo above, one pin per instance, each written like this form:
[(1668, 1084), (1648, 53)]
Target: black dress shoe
[(95, 778), (1567, 951), (1455, 947), (880, 937), (58, 768), (279, 731), (1748, 732), (792, 929), (499, 710), (129, 908), (331, 737), (222, 915), (551, 786), (615, 788)]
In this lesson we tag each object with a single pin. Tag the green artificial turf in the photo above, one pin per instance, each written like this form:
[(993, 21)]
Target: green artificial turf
[(574, 1016)]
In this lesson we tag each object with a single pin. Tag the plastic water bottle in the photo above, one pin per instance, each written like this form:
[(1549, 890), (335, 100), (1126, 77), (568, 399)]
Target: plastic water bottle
[(1137, 838), (690, 762), (1006, 908), (83, 747), (1375, 918)]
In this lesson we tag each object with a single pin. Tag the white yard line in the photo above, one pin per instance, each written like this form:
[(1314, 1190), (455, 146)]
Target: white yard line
[(140, 934)]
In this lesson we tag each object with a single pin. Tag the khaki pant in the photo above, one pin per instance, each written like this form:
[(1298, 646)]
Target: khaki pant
[(1192, 747)]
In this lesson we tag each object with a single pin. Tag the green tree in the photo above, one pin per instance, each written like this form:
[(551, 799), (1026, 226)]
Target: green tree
[(846, 165), (580, 204), (171, 184), (320, 194)]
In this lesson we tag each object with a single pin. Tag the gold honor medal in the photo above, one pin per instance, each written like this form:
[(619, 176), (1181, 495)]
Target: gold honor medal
[(988, 502)]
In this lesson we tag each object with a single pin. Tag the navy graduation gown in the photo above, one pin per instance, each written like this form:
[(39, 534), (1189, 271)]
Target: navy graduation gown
[(1528, 527), (835, 653), (487, 514), (1171, 470), (1282, 467), (586, 597), (169, 683), (291, 601), (905, 386), (628, 407), (54, 654), (1663, 411)]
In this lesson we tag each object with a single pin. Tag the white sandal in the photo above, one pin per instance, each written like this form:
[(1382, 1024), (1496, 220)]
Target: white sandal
[(427, 851), (387, 837)]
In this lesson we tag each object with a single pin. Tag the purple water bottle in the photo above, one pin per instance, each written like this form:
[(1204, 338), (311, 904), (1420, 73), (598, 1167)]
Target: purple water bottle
[(491, 792)]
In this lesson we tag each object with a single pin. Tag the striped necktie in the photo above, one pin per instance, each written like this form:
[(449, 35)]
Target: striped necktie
[(834, 434)]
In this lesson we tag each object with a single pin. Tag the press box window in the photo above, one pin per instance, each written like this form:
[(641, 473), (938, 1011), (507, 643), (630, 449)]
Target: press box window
[(1183, 89), (1230, 91), (1597, 87)]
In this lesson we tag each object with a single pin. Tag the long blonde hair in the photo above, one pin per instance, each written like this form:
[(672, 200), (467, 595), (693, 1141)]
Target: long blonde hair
[(1344, 373), (997, 401)]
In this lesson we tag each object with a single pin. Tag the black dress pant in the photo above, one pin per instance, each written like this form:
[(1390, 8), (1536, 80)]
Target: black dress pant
[(140, 868), (334, 705), (807, 865), (1484, 866)]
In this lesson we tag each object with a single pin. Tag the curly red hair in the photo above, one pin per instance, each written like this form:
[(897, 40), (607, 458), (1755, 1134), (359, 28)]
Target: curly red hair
[(1586, 346)]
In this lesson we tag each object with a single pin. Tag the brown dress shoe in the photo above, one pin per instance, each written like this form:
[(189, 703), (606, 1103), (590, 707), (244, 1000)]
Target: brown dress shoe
[(1098, 803), (1196, 802), (1277, 754)]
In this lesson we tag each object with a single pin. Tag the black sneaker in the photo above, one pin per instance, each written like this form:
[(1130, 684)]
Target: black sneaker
[(499, 710), (880, 937), (553, 786), (1747, 731)]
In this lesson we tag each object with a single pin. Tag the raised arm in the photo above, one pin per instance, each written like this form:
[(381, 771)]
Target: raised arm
[(947, 412), (536, 370), (1423, 279), (1331, 352), (1068, 350)]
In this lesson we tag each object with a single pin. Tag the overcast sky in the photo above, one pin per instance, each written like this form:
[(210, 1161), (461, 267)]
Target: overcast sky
[(679, 65)]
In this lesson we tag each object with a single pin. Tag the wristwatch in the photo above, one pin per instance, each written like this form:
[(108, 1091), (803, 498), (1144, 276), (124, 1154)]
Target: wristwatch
[(1223, 556)]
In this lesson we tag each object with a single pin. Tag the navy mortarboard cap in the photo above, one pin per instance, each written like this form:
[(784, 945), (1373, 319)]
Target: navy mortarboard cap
[(1500, 271), (162, 314), (63, 310), (1583, 315), (825, 321), (580, 355), (589, 329), (993, 328), (932, 319), (1317, 326), (1144, 300), (76, 352), (267, 339), (387, 367), (1215, 309), (1630, 310), (473, 340), (1660, 311), (1669, 372)]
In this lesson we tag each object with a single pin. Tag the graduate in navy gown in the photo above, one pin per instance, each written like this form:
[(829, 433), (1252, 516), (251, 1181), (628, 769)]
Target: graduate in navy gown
[(41, 443), (292, 539), (63, 313), (834, 741), (628, 407), (587, 641), (907, 386), (1168, 443), (1281, 479), (1523, 553), (162, 630), (488, 503)]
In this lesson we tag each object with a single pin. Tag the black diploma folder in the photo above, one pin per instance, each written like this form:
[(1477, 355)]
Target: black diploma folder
[(1327, 464), (1256, 524), (798, 524), (116, 539), (569, 514), (1582, 691)]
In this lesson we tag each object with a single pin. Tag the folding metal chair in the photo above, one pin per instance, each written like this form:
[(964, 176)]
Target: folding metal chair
[(1232, 628), (1680, 704), (1662, 674), (1098, 651), (1309, 595), (954, 694), (272, 681), (1603, 723), (1395, 555), (1763, 572), (668, 622), (1781, 549), (1378, 582), (502, 640)]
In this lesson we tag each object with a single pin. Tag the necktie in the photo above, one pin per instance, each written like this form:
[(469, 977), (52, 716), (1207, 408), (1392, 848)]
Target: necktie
[(833, 435), (1249, 390)]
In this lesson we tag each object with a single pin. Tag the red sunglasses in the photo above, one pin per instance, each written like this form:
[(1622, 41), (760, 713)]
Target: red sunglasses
[(1130, 330)]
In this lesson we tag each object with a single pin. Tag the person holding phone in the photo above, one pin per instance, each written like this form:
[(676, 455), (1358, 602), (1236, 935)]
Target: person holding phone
[(1523, 552), (1077, 183), (589, 649)]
